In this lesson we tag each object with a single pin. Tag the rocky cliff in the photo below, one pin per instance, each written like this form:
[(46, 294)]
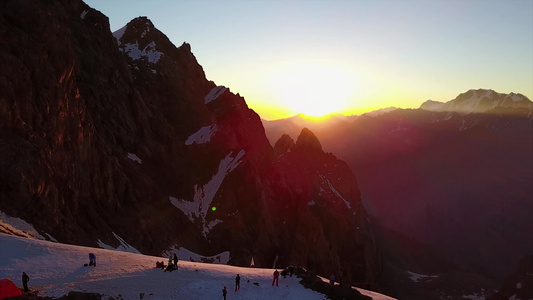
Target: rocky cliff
[(106, 139)]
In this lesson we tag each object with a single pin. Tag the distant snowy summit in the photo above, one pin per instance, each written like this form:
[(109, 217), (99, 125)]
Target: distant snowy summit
[(478, 101)]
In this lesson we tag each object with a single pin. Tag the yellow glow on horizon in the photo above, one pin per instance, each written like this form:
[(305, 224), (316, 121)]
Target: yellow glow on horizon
[(317, 118), (318, 90), (313, 89), (275, 113)]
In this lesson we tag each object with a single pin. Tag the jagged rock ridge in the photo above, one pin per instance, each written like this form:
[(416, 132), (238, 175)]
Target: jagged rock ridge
[(100, 132)]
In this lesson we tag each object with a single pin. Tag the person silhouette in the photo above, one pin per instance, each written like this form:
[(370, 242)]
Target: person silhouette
[(25, 279), (92, 259), (276, 278), (237, 282)]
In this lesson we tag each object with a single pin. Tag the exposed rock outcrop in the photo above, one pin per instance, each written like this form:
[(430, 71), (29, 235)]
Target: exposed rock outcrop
[(112, 139), (284, 144), (324, 189)]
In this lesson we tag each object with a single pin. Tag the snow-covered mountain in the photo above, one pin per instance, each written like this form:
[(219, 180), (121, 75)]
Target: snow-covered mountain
[(478, 101), (57, 269)]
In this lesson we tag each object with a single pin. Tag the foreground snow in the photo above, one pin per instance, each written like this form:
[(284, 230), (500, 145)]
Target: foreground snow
[(55, 269)]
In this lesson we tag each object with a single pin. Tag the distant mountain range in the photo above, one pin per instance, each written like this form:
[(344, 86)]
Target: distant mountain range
[(478, 101), (453, 176)]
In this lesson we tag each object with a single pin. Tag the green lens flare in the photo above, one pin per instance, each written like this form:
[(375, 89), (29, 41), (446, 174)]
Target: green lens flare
[(213, 208)]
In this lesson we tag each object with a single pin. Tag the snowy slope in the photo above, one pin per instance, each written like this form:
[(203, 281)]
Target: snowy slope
[(55, 269)]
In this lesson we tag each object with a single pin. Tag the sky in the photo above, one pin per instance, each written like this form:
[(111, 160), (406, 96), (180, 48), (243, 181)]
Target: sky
[(56, 269), (316, 56)]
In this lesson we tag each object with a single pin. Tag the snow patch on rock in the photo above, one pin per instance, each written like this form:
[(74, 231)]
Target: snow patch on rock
[(334, 190), (149, 52), (83, 14), (415, 277), (204, 195), (134, 157), (214, 93), (202, 136), (184, 254), (124, 247)]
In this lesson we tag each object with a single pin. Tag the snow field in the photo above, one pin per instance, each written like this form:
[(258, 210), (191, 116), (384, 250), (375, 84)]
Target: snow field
[(55, 269)]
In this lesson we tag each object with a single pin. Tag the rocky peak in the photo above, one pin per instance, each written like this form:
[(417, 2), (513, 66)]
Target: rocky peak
[(169, 78), (308, 141), (137, 27), (283, 145), (139, 39), (321, 188), (145, 47)]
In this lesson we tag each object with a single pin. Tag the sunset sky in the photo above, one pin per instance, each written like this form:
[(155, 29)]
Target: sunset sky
[(317, 57)]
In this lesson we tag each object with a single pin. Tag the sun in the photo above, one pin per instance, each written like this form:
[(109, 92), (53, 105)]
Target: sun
[(313, 89)]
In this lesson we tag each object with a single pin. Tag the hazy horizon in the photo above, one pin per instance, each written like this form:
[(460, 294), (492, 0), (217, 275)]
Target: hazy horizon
[(350, 57)]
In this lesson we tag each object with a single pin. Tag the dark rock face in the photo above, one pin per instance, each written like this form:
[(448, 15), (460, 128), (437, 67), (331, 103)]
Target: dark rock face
[(520, 284), (107, 136), (283, 145), (68, 296), (323, 188), (63, 127), (307, 140)]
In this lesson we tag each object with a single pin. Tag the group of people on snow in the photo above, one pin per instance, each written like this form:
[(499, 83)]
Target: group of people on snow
[(237, 286), (171, 266)]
